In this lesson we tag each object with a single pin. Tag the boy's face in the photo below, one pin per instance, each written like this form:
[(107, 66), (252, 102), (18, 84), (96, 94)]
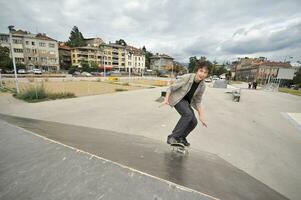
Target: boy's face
[(202, 73)]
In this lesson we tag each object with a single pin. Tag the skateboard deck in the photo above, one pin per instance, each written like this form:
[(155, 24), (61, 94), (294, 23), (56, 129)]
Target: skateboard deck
[(179, 147)]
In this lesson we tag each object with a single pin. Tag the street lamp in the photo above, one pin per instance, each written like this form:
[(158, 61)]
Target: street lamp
[(131, 55), (11, 28)]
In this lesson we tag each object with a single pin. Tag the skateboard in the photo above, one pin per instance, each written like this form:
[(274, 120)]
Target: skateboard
[(179, 147)]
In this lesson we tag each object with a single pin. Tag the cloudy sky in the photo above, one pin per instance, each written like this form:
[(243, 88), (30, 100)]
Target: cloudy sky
[(221, 30)]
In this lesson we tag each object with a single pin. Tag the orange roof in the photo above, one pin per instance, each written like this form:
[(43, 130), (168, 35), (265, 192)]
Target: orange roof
[(64, 47)]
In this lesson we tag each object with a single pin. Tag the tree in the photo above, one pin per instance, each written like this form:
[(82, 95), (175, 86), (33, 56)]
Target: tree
[(20, 65), (147, 54), (5, 61), (121, 42), (192, 62), (94, 65), (76, 38), (297, 78)]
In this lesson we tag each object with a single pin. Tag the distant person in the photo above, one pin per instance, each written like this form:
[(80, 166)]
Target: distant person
[(249, 85), (254, 85), (187, 91)]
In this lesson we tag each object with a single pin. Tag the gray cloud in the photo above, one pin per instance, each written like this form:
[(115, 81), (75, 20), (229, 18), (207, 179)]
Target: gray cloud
[(262, 38), (216, 29)]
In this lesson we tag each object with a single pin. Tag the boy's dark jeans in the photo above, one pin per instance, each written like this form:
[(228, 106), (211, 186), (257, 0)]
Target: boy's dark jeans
[(187, 122)]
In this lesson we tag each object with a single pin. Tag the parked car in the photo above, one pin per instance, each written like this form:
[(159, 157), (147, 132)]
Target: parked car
[(214, 78), (21, 71), (95, 73), (76, 73), (87, 74), (37, 71), (208, 80)]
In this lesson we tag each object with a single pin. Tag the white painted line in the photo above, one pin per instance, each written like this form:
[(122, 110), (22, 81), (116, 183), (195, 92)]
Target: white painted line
[(118, 164), (294, 118)]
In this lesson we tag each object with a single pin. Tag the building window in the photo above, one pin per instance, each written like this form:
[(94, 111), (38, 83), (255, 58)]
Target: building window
[(4, 38), (51, 45), (73, 61), (18, 60), (27, 42), (32, 43), (18, 50), (73, 55), (42, 44), (53, 60), (27, 50), (16, 41), (34, 51)]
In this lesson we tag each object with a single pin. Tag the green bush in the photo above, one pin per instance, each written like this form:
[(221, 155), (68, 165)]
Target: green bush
[(38, 93), (120, 89), (32, 93)]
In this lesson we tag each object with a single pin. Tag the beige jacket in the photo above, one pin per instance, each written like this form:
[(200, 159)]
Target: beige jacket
[(181, 87)]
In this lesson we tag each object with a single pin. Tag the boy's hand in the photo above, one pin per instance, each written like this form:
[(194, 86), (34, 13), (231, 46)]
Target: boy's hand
[(203, 122), (165, 102)]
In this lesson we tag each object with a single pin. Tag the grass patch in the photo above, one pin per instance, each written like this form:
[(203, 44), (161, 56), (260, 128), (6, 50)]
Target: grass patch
[(290, 91), (38, 93), (120, 90), (3, 89)]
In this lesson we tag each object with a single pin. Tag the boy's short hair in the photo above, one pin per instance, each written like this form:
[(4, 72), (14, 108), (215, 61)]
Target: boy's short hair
[(203, 64)]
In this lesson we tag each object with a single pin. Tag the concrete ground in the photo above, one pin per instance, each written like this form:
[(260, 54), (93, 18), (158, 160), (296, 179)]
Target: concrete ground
[(203, 173), (254, 135), (36, 168)]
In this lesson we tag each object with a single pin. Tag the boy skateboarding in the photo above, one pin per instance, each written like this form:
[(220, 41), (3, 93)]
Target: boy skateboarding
[(184, 94)]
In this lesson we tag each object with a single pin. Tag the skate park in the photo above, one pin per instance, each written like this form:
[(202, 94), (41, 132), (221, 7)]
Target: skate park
[(108, 145)]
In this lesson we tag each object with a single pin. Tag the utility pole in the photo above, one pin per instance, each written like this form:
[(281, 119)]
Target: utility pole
[(11, 28)]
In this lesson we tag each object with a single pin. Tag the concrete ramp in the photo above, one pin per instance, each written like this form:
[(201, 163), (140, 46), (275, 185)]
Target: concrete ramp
[(38, 169), (124, 166)]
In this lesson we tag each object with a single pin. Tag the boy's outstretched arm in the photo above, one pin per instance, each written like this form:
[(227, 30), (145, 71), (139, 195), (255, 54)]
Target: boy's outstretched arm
[(166, 99), (201, 115)]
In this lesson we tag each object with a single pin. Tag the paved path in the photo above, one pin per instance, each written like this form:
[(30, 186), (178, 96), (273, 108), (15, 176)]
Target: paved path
[(29, 160), (253, 135)]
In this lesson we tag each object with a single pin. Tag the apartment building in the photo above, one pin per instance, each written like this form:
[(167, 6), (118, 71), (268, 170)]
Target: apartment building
[(64, 56), (89, 54), (33, 50), (261, 69), (135, 60), (161, 62)]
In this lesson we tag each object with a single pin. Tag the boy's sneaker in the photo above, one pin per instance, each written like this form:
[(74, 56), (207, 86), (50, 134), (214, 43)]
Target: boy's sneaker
[(185, 142), (172, 140)]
